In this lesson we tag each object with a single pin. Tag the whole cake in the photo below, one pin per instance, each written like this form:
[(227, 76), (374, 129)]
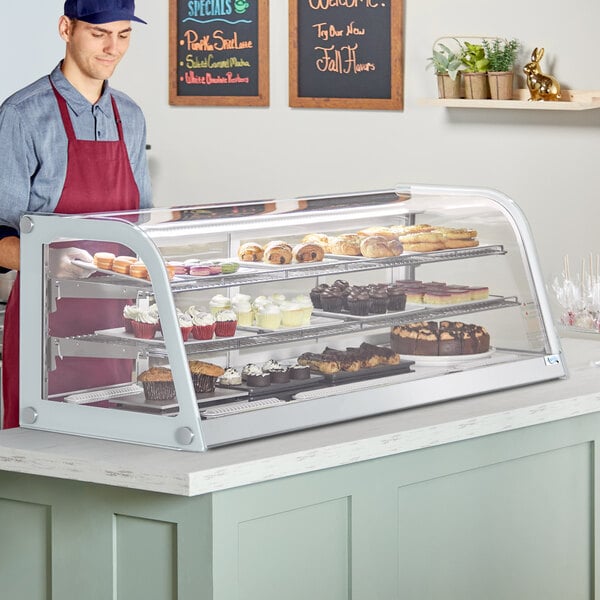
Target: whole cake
[(446, 338)]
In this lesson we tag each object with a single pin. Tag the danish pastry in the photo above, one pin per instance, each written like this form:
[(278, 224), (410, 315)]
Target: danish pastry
[(317, 238), (250, 252), (375, 246), (453, 233), (422, 237), (408, 229), (460, 243), (423, 246), (347, 244), (308, 252), (277, 253), (384, 232)]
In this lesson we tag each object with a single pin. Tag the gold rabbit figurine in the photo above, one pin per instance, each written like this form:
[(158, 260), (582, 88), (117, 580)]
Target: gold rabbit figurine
[(541, 87)]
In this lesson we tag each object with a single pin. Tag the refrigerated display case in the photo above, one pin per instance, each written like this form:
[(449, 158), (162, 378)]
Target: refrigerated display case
[(448, 301)]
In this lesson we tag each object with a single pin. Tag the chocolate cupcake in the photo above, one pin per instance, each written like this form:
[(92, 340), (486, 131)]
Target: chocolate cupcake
[(358, 304), (259, 380), (396, 298), (331, 300), (315, 294), (378, 301), (281, 375), (299, 372)]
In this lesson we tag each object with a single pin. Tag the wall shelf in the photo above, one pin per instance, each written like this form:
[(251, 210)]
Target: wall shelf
[(571, 100)]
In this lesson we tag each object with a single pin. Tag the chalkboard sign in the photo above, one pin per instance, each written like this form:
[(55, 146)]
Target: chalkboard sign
[(219, 52), (346, 54)]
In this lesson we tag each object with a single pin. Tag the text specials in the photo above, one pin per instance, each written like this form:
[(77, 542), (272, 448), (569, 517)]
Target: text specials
[(218, 45)]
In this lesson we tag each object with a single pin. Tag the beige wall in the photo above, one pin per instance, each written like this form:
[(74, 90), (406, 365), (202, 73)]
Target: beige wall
[(546, 161)]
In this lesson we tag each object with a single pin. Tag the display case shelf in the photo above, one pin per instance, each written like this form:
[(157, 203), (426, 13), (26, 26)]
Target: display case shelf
[(124, 344), (576, 100)]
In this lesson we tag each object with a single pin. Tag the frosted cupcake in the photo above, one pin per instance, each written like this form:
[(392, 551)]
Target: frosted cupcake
[(306, 306), (291, 314), (269, 317), (203, 325), (231, 376), (277, 298), (225, 323), (145, 325), (219, 303), (130, 313), (185, 325), (243, 309)]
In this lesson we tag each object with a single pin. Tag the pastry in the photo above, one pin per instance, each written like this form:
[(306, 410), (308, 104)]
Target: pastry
[(347, 244), (460, 243), (179, 268), (428, 237), (185, 325), (306, 307), (318, 363), (250, 252), (225, 323), (121, 264), (145, 323), (291, 314), (308, 252), (199, 270), (203, 324), (229, 267), (409, 229), (158, 384), (219, 303), (331, 299), (215, 269), (317, 238), (277, 253), (299, 372), (204, 375), (375, 246), (138, 269), (453, 233), (268, 316), (256, 377), (104, 260), (384, 232), (243, 309), (231, 376), (423, 246)]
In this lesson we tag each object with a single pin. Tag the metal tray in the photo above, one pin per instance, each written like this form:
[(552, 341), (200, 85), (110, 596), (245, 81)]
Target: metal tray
[(277, 388), (380, 371)]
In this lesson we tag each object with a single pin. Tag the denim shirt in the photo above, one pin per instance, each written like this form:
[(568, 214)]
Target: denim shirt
[(33, 145)]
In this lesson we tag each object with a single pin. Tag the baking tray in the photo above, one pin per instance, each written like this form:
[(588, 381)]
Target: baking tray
[(404, 366), (276, 388), (139, 402)]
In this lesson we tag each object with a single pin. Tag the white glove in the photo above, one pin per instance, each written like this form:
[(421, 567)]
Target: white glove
[(61, 265)]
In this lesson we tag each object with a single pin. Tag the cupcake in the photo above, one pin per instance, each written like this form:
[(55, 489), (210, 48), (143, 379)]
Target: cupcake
[(256, 377), (291, 314), (306, 306), (378, 301), (278, 299), (204, 376), (130, 312), (231, 376), (219, 303), (315, 295), (158, 384), (203, 324), (396, 298), (331, 300), (145, 324), (268, 317), (299, 372), (226, 323), (279, 373), (358, 303), (249, 368), (185, 325), (243, 310)]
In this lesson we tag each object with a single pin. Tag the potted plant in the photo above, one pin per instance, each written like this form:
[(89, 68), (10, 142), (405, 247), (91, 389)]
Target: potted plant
[(501, 55), (447, 65), (475, 72)]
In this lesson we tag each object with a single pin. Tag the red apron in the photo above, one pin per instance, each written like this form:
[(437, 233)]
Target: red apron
[(99, 178)]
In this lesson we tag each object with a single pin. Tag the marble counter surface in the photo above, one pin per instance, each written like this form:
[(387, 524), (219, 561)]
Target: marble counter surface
[(191, 474)]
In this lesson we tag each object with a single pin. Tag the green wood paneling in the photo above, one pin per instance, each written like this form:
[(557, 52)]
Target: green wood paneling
[(500, 532), (145, 559), (302, 553), (25, 571)]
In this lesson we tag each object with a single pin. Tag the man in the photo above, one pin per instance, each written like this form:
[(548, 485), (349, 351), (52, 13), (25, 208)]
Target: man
[(69, 144)]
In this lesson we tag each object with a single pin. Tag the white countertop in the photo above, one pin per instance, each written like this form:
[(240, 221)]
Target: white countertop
[(190, 474)]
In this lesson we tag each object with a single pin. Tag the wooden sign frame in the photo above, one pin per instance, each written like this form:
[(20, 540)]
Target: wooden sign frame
[(396, 62), (260, 99)]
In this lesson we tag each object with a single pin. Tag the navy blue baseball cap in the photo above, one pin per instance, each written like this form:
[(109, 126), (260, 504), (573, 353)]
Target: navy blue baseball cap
[(101, 11)]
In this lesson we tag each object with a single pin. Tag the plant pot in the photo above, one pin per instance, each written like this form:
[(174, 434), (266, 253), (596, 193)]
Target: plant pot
[(476, 86), (501, 85), (448, 87)]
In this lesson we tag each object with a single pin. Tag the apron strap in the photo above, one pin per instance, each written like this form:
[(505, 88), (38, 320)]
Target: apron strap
[(66, 119)]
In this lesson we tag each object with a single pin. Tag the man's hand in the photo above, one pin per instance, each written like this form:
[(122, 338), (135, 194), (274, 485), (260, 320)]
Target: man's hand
[(61, 264)]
